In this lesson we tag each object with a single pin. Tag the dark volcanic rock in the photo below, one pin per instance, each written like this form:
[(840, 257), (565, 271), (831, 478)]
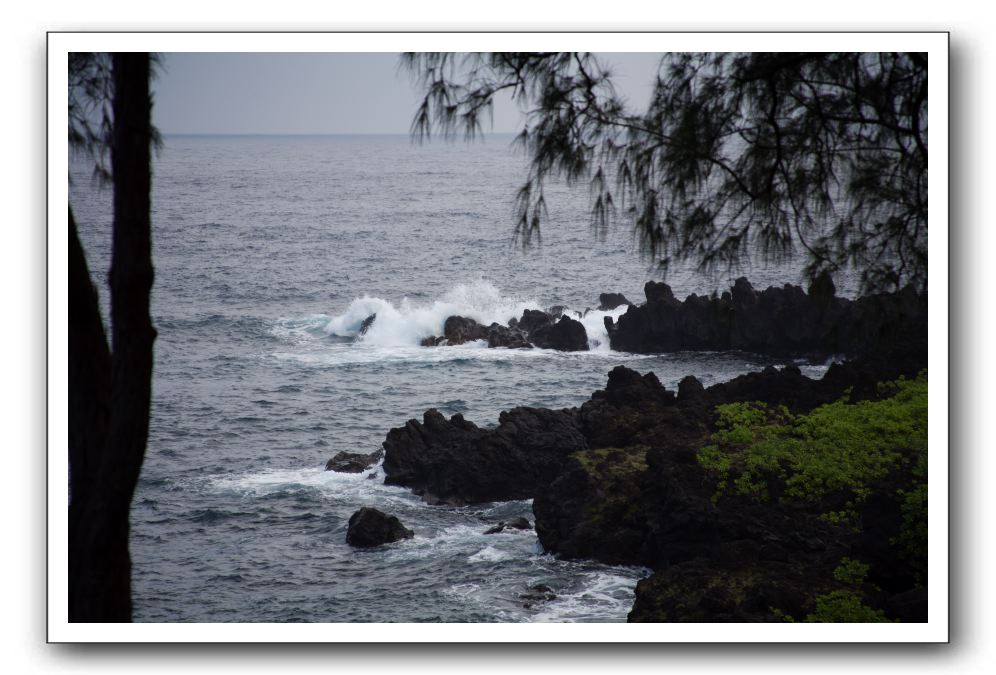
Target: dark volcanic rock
[(455, 462), (566, 335), (351, 462), (723, 590), (782, 321), (367, 322), (533, 319), (519, 523), (609, 301), (534, 328), (459, 329), (456, 331), (508, 337), (538, 593), (638, 496), (370, 527), (657, 291), (690, 389)]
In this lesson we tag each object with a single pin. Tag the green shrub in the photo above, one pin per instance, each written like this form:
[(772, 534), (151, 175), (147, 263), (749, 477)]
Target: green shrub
[(844, 607), (837, 448), (851, 572)]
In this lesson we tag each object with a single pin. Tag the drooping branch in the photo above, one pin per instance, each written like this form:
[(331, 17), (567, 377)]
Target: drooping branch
[(737, 153)]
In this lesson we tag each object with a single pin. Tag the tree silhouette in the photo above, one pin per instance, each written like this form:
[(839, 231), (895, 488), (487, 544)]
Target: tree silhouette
[(109, 385), (736, 154)]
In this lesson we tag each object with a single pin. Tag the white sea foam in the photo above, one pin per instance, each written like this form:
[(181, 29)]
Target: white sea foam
[(489, 554), (332, 485), (408, 323), (397, 331), (601, 593), (594, 326)]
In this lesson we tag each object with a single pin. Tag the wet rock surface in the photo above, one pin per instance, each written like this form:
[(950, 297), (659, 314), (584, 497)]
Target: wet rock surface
[(519, 523), (534, 328), (369, 527), (351, 462)]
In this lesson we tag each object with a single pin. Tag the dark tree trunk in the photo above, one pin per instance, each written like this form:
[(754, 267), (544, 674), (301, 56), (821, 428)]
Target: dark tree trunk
[(110, 391), (89, 412)]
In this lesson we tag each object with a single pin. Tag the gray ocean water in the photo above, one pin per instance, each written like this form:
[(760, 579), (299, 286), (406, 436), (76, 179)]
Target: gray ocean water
[(269, 253)]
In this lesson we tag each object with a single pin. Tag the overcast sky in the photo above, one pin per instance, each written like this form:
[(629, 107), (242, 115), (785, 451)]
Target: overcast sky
[(338, 93)]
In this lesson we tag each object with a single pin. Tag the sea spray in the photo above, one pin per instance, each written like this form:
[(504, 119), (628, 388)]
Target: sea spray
[(594, 326), (408, 323)]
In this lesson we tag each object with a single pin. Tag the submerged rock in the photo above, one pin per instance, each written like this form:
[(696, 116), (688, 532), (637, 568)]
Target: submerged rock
[(351, 462), (519, 523), (537, 593), (370, 527)]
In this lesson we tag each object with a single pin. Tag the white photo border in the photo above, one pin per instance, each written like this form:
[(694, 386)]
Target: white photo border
[(935, 44)]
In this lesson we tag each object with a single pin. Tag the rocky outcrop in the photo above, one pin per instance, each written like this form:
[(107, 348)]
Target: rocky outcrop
[(507, 337), (609, 301), (352, 462), (456, 462), (638, 496), (619, 480), (533, 319), (566, 335), (459, 329), (784, 321), (534, 328), (370, 527)]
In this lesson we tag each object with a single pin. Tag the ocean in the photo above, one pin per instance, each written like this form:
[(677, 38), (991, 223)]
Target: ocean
[(269, 254)]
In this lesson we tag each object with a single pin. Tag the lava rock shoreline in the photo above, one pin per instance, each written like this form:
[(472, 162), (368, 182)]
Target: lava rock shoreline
[(784, 322), (618, 480), (781, 322)]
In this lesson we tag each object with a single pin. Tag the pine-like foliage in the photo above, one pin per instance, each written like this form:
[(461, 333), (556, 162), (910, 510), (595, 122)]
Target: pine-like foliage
[(737, 154)]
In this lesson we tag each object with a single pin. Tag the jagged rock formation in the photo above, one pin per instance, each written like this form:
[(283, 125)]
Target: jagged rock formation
[(783, 321), (609, 301), (619, 478), (534, 329), (455, 462), (639, 496)]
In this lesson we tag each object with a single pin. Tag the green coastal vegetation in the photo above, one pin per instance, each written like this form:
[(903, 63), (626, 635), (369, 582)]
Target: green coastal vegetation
[(836, 456), (836, 447)]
